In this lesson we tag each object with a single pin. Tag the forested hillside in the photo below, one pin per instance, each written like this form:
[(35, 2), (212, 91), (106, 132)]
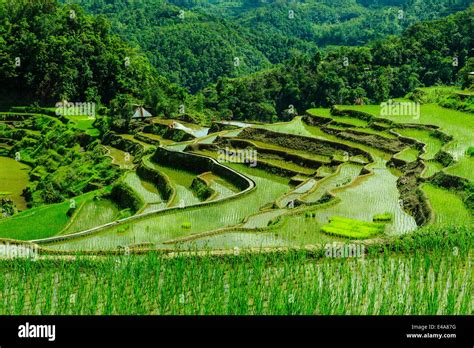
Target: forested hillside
[(53, 52), (49, 53), (193, 42), (427, 53)]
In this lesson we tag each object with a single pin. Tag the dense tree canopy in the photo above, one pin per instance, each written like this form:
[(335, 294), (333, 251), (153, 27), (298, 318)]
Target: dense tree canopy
[(51, 52), (428, 53), (194, 42)]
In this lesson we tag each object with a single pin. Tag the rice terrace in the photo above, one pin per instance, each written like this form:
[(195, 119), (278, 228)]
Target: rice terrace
[(181, 201)]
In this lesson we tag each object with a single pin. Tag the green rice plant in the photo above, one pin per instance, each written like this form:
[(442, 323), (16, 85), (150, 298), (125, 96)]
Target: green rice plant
[(431, 168), (408, 155), (385, 217), (30, 224), (92, 213), (459, 125), (163, 227), (432, 144), (281, 163), (262, 219), (448, 207), (182, 181), (463, 168), (346, 173), (84, 123), (119, 157), (186, 225), (425, 273), (13, 180), (295, 127), (384, 134), (146, 190), (352, 121), (350, 228)]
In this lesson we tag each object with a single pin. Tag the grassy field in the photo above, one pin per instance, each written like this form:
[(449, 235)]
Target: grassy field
[(448, 207), (428, 273), (40, 222), (92, 213), (13, 180)]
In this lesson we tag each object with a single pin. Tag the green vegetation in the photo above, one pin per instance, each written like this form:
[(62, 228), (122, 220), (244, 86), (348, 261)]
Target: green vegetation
[(350, 228), (63, 164), (30, 224), (448, 207), (448, 97), (194, 43), (163, 227), (408, 155), (13, 180), (343, 176), (464, 168), (432, 167), (252, 283), (126, 197), (313, 173), (92, 213), (385, 217), (387, 68), (433, 144), (146, 190)]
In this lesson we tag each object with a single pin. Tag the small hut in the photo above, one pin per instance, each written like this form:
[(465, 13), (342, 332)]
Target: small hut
[(141, 113)]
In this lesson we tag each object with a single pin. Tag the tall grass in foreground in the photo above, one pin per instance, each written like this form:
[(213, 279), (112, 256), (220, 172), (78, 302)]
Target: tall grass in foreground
[(429, 272)]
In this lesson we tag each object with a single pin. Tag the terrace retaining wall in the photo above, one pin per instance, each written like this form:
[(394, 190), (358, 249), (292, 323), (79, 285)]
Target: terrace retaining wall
[(301, 143), (115, 140), (240, 181)]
